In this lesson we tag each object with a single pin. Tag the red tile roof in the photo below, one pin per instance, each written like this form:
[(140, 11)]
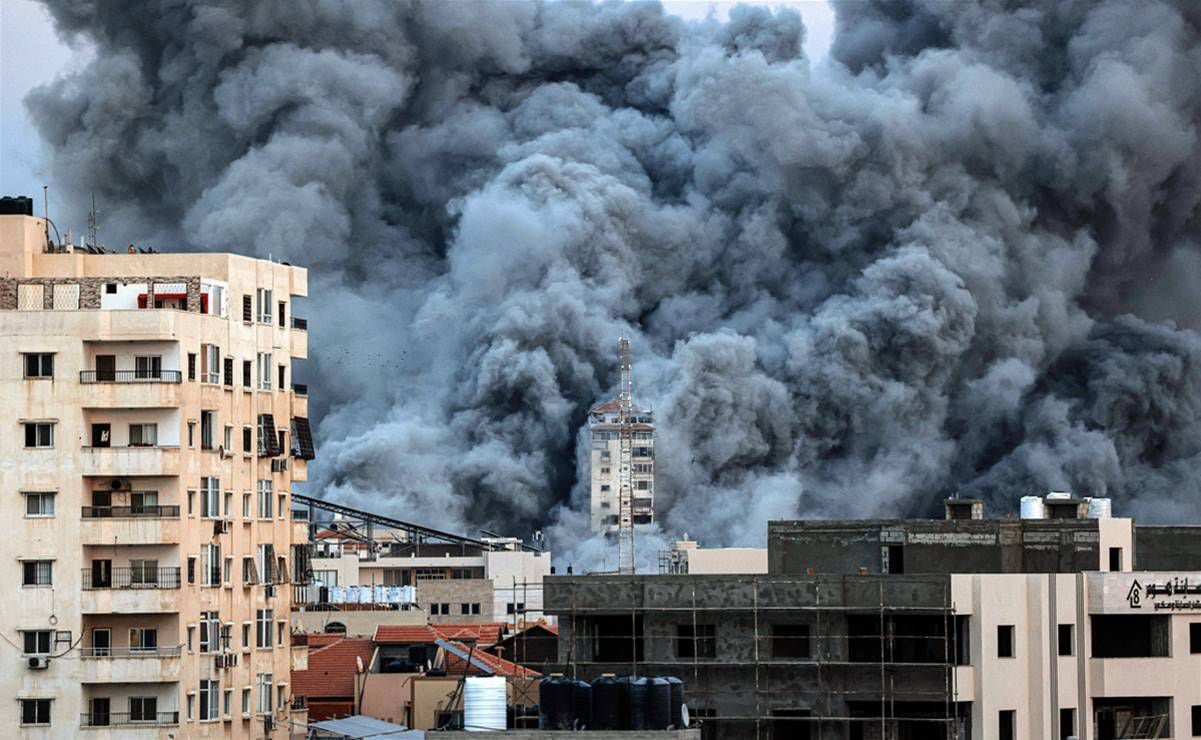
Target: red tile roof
[(405, 634), (332, 668), (453, 664), (321, 639), (486, 633)]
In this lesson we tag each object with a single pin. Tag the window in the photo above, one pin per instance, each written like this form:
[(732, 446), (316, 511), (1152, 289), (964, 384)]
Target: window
[(39, 504), (605, 487), (246, 701), (37, 642), (210, 692), (148, 367), (191, 636), (282, 376), (264, 305), (210, 635), (143, 708), (515, 608), (247, 309), (39, 433), (143, 639), (211, 365), (790, 640), (191, 503), (37, 573), (283, 505), (1196, 729), (191, 570), (265, 693), (143, 435), (227, 371), (1005, 641), (1005, 724), (266, 561), (262, 627), (469, 608), (1066, 643), (642, 485), (264, 371), (696, 642), (246, 505), (143, 572), (246, 633), (110, 288), (191, 705), (246, 372), (1115, 559), (191, 366), (229, 504), (39, 365), (265, 499), (210, 565), (35, 711), (604, 471), (227, 701), (192, 434), (1067, 723), (247, 440), (283, 321), (227, 442), (208, 423), (210, 497), (1194, 637)]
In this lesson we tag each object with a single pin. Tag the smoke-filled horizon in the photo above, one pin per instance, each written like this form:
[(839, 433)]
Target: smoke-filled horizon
[(959, 257)]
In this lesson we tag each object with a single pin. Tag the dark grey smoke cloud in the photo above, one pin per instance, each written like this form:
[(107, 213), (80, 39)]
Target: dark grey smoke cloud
[(960, 256)]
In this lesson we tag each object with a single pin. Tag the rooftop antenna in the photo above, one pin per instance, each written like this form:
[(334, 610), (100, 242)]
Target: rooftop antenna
[(625, 495), (92, 223)]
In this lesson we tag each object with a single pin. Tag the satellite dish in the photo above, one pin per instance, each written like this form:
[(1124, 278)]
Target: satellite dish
[(684, 714)]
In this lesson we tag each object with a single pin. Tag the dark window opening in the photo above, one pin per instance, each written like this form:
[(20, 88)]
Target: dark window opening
[(246, 369), (790, 641), (1124, 717), (1130, 636), (699, 641), (191, 366), (895, 559), (1067, 723), (617, 639), (791, 724), (1005, 641), (1066, 643), (1115, 559), (1006, 723), (901, 639), (1194, 637), (1196, 730)]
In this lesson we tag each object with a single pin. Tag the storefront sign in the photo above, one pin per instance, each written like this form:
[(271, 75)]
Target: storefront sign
[(1124, 593)]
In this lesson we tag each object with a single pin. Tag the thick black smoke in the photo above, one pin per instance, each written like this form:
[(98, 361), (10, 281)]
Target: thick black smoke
[(959, 256)]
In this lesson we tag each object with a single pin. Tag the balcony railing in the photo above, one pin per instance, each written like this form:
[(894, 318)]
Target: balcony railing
[(299, 323), (171, 651), (130, 376), (127, 719), (130, 512), (130, 578), (300, 389)]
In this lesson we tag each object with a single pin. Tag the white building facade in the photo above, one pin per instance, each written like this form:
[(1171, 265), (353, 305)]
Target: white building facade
[(604, 458)]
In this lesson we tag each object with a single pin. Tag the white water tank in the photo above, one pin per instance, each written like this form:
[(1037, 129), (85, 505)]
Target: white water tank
[(1033, 508), (1100, 508), (484, 703), (1059, 495)]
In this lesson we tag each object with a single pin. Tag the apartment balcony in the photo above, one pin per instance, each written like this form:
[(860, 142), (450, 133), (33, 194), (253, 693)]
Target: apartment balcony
[(125, 462), (128, 723), (298, 339), (130, 665), (105, 389), (130, 591), (130, 525), (300, 400)]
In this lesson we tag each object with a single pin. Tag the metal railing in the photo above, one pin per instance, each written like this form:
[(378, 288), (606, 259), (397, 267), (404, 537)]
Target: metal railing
[(299, 323), (163, 651), (128, 719), (130, 512), (130, 376), (130, 578)]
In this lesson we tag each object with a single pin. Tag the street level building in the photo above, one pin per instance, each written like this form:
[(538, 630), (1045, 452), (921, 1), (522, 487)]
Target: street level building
[(150, 440), (1055, 626)]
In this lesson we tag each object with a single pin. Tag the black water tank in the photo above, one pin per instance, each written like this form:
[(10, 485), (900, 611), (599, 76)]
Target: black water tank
[(657, 704), (636, 711), (677, 701), (556, 697), (583, 705), (607, 694)]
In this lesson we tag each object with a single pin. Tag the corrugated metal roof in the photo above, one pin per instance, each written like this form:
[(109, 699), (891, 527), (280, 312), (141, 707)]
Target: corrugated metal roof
[(359, 726)]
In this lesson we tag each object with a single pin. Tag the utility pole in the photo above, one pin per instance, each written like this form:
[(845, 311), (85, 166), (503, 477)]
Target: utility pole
[(625, 494)]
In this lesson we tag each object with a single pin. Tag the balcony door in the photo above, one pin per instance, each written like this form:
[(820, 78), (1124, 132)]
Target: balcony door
[(102, 642), (102, 435), (106, 368), (99, 707), (102, 503), (102, 574)]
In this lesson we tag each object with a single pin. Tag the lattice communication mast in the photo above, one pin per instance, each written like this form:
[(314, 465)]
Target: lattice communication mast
[(625, 491)]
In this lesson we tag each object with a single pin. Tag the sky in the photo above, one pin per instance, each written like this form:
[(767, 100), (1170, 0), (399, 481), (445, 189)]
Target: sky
[(32, 54)]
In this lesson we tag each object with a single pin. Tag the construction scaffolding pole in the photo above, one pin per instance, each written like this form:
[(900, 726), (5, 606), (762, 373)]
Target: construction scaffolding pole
[(625, 470)]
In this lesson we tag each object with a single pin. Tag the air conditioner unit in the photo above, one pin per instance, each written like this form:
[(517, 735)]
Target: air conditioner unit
[(38, 662), (224, 452), (119, 484)]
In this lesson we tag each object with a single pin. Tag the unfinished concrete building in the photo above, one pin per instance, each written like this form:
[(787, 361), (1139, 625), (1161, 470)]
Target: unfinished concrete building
[(964, 628)]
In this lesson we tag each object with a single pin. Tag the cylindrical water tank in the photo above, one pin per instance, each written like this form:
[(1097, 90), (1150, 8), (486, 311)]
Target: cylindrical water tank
[(606, 703), (556, 699), (657, 704), (636, 718), (583, 704), (677, 701), (484, 702), (1100, 508), (1033, 508)]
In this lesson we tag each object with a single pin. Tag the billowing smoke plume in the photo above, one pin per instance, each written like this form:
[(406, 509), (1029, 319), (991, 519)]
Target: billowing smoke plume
[(962, 255)]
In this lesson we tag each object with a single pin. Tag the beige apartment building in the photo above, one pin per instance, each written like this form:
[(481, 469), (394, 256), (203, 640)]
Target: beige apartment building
[(605, 457), (151, 436)]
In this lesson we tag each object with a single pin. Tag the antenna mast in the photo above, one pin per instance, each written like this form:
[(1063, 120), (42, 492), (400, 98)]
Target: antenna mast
[(625, 495), (92, 223)]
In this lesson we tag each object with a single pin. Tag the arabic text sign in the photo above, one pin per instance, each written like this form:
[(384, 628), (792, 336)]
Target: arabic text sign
[(1144, 593)]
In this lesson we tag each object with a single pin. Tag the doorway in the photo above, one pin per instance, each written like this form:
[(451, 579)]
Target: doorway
[(106, 368), (102, 435)]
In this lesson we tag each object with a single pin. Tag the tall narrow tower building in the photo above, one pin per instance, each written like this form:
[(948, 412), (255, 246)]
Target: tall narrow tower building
[(605, 426)]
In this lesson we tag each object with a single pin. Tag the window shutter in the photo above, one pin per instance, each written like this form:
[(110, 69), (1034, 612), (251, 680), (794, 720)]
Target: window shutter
[(302, 439), (229, 371), (191, 366), (247, 309)]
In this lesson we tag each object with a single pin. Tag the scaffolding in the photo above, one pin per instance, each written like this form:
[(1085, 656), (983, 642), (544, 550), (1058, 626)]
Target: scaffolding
[(815, 682)]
